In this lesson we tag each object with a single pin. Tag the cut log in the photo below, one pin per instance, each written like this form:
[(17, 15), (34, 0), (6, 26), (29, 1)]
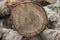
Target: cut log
[(52, 22), (53, 18), (3, 8), (50, 34), (9, 34), (28, 18), (37, 37), (11, 2), (58, 26)]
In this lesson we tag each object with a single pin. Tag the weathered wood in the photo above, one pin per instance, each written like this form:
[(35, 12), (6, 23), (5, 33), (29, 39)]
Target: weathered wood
[(32, 0), (50, 34), (11, 2), (28, 18), (37, 37), (9, 34), (53, 18), (43, 3), (52, 21), (3, 8), (51, 1)]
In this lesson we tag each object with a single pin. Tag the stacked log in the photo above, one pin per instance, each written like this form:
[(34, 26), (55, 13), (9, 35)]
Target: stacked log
[(11, 2), (53, 19), (28, 18), (5, 5), (3, 8), (50, 34), (9, 34)]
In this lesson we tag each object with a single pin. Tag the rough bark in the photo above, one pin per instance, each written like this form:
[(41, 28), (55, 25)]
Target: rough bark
[(5, 7), (53, 20), (9, 34), (4, 11), (37, 37), (50, 34)]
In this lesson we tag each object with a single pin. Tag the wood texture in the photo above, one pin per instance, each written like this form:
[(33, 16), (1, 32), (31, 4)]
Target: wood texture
[(3, 8), (52, 1), (11, 2), (53, 20), (32, 0), (28, 18), (37, 37), (9, 34), (50, 34)]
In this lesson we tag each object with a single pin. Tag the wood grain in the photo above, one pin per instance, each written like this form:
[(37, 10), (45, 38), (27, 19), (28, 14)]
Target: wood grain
[(28, 18)]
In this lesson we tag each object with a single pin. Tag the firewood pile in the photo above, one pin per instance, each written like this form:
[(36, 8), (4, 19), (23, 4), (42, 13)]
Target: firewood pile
[(27, 20)]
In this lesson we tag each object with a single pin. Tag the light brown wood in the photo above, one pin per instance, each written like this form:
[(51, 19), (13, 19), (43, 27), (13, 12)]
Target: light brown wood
[(11, 2), (50, 34), (28, 18), (58, 37), (53, 18)]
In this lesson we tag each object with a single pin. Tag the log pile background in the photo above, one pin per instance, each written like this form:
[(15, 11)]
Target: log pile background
[(9, 32)]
